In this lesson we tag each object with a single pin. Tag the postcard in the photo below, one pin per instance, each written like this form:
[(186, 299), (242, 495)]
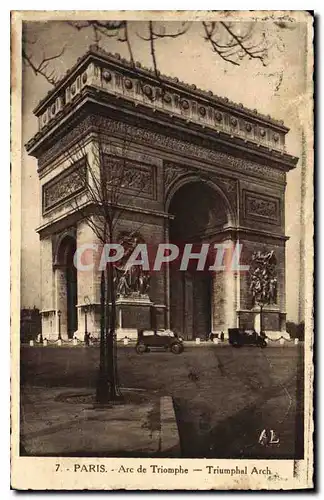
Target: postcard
[(162, 250)]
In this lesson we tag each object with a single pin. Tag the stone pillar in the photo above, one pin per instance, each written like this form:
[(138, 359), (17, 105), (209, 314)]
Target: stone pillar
[(177, 301), (167, 291), (60, 301), (188, 306), (223, 302), (49, 324), (47, 290), (88, 283), (224, 292), (133, 314), (160, 316), (257, 321), (201, 304), (230, 305)]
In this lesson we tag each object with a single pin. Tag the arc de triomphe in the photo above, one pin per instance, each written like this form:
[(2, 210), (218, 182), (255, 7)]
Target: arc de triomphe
[(207, 169)]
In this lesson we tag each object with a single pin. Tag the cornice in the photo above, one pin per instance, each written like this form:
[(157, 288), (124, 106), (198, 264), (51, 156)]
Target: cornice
[(151, 121), (74, 216), (98, 54), (243, 232), (108, 79)]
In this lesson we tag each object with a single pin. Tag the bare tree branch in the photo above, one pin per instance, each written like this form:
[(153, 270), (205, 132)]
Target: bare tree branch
[(109, 28), (152, 47), (231, 46), (224, 39), (42, 68), (156, 35), (219, 49), (125, 38), (260, 54)]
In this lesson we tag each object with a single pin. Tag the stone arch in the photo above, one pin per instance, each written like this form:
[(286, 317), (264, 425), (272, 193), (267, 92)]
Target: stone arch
[(200, 302), (66, 283), (61, 246), (182, 180)]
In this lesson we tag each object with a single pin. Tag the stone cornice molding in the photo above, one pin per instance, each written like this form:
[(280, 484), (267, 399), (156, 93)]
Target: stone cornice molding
[(108, 78), (71, 216), (148, 117), (115, 61), (246, 233)]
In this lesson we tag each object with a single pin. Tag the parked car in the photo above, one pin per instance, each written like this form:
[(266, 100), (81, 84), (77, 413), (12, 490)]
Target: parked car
[(239, 337), (164, 339)]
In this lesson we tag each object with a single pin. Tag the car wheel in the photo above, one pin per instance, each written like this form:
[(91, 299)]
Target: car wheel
[(140, 348), (176, 348)]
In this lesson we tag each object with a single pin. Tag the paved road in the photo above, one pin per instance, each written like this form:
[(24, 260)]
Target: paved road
[(224, 397)]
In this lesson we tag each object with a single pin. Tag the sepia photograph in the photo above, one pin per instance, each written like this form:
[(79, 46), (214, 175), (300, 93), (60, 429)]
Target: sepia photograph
[(162, 250)]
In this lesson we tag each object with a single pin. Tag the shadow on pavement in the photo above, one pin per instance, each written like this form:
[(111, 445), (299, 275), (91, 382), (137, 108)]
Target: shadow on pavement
[(238, 435)]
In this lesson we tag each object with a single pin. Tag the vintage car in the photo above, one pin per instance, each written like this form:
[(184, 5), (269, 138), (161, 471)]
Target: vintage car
[(155, 339), (239, 337)]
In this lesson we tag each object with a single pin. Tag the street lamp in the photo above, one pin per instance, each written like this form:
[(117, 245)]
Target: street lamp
[(85, 322), (59, 313)]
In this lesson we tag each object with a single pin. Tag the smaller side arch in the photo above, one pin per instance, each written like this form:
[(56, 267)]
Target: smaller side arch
[(63, 242), (65, 283)]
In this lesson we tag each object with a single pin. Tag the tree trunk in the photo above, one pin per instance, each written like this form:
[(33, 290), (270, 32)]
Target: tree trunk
[(113, 375), (107, 385), (110, 331), (261, 319), (102, 392)]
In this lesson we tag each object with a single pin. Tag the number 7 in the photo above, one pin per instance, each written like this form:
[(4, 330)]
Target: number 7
[(57, 467)]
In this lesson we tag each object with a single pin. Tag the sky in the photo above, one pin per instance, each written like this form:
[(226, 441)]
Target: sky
[(277, 89)]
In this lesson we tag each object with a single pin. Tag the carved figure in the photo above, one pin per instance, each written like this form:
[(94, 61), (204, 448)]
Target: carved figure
[(263, 280), (133, 280)]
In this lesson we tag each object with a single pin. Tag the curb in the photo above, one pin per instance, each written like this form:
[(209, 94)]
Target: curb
[(169, 437)]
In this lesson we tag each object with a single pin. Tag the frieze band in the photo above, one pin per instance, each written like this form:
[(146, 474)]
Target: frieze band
[(166, 142), (190, 149)]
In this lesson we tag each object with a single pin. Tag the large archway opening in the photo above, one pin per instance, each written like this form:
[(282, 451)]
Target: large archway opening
[(67, 286), (199, 215)]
